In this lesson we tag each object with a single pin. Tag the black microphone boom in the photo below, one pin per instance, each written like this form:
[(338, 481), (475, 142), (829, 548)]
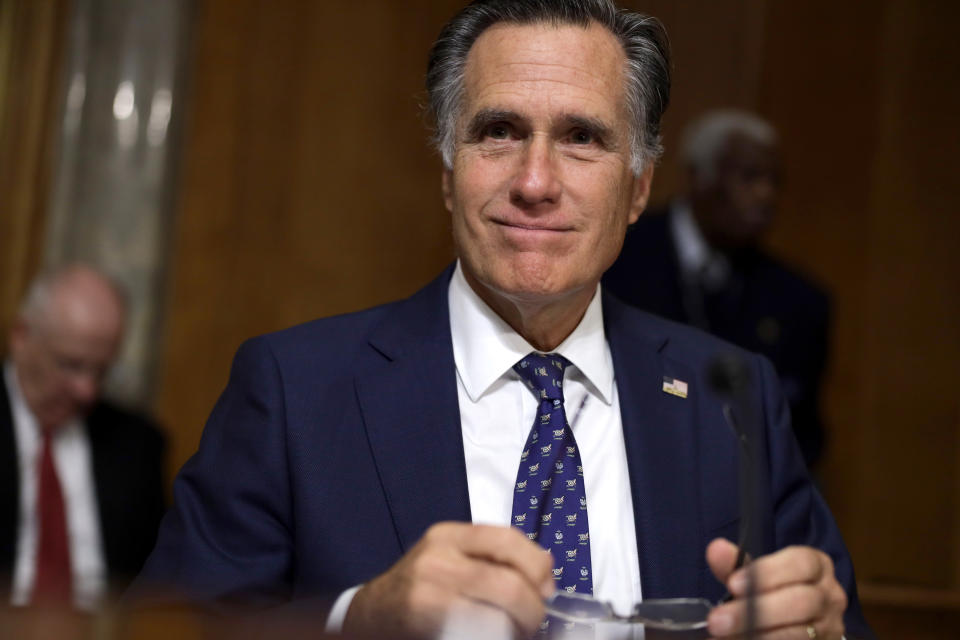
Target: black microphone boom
[(729, 376)]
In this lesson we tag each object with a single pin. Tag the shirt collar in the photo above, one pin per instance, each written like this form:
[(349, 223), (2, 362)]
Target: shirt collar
[(692, 249), (26, 426), (697, 258), (485, 347)]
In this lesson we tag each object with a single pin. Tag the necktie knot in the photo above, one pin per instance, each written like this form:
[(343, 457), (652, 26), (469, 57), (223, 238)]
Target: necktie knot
[(543, 374)]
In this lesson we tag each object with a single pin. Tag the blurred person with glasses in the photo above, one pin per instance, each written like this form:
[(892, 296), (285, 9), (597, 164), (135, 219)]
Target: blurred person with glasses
[(81, 486)]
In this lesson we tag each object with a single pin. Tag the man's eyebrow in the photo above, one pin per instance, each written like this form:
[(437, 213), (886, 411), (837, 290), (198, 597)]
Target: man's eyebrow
[(485, 117)]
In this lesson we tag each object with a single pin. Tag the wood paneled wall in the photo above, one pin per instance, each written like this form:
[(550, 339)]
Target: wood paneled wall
[(871, 209), (309, 190)]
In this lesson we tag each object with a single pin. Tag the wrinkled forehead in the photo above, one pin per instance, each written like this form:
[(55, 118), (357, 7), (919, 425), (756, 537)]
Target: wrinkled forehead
[(542, 60)]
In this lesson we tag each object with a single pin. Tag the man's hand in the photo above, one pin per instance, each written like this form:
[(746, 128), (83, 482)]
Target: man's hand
[(796, 590), (456, 567)]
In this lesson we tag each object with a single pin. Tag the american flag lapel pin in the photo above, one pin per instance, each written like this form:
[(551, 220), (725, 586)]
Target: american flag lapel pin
[(674, 387)]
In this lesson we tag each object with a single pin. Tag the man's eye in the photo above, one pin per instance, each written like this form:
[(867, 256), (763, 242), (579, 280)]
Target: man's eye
[(582, 136), (71, 365), (497, 132)]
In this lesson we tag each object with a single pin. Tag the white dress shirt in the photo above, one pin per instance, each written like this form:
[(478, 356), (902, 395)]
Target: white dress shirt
[(73, 461), (497, 412)]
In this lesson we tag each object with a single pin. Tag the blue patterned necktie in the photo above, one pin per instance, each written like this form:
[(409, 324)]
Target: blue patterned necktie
[(549, 502)]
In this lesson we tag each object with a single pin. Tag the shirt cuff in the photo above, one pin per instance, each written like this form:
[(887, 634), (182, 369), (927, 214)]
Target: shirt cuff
[(339, 611)]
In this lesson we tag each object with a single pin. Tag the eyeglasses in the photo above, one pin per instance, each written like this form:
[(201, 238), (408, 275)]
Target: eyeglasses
[(669, 614), (673, 614)]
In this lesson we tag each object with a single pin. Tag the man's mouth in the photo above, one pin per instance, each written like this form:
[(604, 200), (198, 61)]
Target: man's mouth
[(533, 227)]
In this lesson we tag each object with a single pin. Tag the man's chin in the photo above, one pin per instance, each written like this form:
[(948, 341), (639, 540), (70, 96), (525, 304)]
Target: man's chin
[(534, 291), (528, 280), (57, 419)]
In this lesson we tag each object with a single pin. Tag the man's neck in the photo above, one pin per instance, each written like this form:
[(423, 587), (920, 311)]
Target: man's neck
[(16, 392), (542, 323)]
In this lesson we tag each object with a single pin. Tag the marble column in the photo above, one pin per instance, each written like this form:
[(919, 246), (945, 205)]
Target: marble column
[(114, 182)]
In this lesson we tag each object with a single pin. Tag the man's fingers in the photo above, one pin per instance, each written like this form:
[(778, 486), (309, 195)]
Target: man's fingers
[(796, 588), (795, 632), (460, 570), (722, 558), (502, 545), (783, 611), (793, 565), (505, 589), (789, 606), (486, 565)]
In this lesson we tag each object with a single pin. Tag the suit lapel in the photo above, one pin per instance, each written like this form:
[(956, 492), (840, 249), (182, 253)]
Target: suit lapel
[(106, 482), (9, 484), (408, 398), (662, 454)]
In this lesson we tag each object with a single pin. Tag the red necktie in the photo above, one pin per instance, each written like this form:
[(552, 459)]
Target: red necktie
[(52, 584)]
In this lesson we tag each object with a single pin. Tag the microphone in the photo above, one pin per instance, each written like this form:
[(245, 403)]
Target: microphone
[(729, 376)]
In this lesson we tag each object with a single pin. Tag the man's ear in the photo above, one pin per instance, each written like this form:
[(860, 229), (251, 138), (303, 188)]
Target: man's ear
[(641, 192), (446, 187), (17, 337)]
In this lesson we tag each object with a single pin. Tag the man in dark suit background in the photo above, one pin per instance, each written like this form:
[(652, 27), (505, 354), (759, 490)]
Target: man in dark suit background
[(81, 486), (699, 261), (373, 458)]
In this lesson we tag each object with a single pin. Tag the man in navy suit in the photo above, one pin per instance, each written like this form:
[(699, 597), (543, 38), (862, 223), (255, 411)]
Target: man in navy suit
[(373, 457), (699, 261)]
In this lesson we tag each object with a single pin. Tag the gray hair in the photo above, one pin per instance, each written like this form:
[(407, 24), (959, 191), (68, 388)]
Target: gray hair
[(644, 42), (36, 301), (705, 139)]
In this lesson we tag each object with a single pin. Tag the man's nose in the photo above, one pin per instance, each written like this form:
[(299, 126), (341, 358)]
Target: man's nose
[(85, 387), (765, 190), (537, 179)]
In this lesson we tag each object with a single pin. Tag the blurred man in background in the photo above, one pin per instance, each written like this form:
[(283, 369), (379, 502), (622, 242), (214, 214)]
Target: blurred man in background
[(81, 488), (699, 261)]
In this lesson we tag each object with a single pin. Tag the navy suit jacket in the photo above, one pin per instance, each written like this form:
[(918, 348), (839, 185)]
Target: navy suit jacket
[(337, 443)]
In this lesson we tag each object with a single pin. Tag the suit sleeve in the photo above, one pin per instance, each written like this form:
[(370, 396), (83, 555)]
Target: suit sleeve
[(227, 538), (801, 517)]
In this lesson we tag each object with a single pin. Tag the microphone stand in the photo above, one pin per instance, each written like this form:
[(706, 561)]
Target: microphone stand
[(730, 377)]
